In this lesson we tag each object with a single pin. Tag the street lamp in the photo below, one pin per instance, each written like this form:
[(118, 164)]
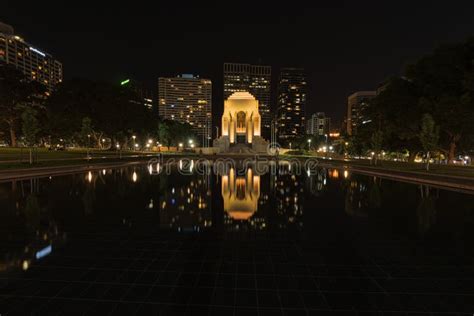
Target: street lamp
[(134, 137), (180, 145), (88, 145), (309, 144)]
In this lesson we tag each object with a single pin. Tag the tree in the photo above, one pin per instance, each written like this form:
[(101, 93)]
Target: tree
[(16, 94), (30, 126), (442, 84), (86, 131), (164, 134), (445, 81), (113, 111), (429, 136), (376, 142)]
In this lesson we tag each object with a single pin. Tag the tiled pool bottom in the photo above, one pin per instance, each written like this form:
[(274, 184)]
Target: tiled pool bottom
[(196, 275), (124, 242)]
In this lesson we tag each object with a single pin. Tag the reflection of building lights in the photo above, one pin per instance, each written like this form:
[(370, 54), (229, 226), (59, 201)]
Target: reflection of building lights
[(103, 172), (25, 265), (346, 174), (134, 176), (44, 252), (89, 176)]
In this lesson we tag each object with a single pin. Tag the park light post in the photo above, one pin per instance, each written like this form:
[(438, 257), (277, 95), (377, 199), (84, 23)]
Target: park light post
[(309, 144), (88, 145), (134, 144)]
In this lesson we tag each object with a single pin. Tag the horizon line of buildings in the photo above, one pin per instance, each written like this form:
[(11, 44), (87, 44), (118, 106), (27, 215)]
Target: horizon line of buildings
[(188, 98)]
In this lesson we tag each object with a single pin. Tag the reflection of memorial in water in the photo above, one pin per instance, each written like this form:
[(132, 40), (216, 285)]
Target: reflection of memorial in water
[(241, 199)]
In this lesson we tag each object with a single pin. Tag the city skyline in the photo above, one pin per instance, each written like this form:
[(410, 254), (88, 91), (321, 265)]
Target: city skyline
[(339, 60)]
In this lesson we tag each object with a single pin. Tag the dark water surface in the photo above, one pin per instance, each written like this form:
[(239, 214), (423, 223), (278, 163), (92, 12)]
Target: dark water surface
[(125, 241)]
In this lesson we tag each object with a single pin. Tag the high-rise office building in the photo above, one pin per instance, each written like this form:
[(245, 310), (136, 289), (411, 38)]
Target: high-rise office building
[(254, 79), (34, 63), (187, 99), (356, 104), (318, 124), (292, 94), (144, 95)]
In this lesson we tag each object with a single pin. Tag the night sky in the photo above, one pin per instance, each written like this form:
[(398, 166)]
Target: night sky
[(344, 45)]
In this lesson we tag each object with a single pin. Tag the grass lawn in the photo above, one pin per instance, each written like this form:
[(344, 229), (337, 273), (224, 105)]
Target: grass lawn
[(22, 154), (18, 158), (452, 170)]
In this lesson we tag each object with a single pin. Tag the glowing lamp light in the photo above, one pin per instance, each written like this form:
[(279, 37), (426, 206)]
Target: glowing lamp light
[(25, 265), (124, 82), (134, 177)]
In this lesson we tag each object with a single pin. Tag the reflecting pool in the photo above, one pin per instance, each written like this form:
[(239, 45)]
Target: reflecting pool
[(138, 240)]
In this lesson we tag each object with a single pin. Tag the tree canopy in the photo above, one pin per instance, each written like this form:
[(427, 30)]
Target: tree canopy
[(440, 84)]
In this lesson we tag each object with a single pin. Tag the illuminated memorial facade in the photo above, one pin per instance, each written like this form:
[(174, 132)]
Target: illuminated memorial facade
[(241, 125)]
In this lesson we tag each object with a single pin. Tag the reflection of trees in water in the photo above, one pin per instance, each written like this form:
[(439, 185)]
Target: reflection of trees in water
[(289, 196), (185, 202), (36, 230), (426, 210), (88, 198), (32, 212), (361, 196), (375, 194), (316, 183)]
